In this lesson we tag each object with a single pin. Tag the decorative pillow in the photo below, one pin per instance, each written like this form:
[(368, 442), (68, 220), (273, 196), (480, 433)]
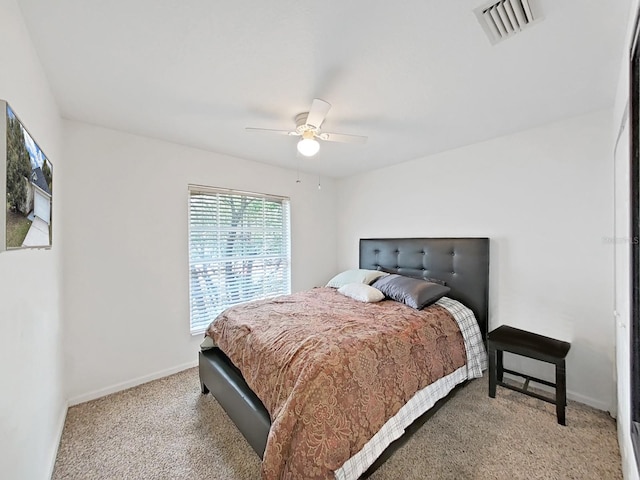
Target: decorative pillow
[(361, 292), (411, 291), (355, 276), (416, 275)]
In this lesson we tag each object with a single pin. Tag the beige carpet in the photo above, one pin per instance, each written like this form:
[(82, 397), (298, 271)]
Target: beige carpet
[(167, 430)]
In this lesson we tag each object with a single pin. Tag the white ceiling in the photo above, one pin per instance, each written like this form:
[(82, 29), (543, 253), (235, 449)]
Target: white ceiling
[(417, 77)]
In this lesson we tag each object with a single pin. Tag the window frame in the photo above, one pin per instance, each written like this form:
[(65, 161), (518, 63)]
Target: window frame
[(198, 327)]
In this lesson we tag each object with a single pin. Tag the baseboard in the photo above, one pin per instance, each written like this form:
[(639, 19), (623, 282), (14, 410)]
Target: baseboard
[(60, 427), (578, 397), (592, 402), (118, 387)]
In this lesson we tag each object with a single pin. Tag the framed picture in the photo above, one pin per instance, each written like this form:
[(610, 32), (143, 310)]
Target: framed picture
[(26, 179), (634, 175)]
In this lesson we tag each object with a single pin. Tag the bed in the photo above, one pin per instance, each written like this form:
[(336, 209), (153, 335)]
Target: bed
[(463, 263)]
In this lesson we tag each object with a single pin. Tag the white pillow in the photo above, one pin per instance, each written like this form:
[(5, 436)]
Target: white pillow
[(355, 276), (361, 292)]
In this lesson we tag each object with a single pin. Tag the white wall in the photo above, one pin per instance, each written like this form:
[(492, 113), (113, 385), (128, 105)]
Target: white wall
[(126, 255), (544, 197), (622, 258), (32, 405)]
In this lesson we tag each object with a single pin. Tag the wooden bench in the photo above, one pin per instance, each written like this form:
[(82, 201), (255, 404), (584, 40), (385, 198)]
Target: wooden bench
[(532, 345)]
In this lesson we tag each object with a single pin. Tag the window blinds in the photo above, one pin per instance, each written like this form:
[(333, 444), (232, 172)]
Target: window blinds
[(238, 250)]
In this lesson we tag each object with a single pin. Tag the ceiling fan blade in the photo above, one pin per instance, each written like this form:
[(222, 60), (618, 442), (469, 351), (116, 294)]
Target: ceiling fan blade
[(341, 137), (271, 130), (319, 110)]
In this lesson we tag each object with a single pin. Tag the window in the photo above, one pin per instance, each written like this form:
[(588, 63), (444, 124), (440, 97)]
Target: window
[(238, 250)]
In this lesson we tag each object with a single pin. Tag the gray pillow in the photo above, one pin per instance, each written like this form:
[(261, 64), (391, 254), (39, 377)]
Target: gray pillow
[(413, 292), (412, 275)]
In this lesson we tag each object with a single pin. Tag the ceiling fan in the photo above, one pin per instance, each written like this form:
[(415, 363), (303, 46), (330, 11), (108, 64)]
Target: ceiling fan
[(308, 127)]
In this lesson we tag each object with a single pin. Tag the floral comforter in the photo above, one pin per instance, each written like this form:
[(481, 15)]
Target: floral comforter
[(331, 371)]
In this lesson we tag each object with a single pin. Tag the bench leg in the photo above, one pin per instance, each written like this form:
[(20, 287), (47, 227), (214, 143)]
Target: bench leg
[(492, 372), (561, 392), (500, 368)]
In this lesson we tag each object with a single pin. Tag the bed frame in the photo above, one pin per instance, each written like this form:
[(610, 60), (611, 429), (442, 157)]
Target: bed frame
[(462, 262)]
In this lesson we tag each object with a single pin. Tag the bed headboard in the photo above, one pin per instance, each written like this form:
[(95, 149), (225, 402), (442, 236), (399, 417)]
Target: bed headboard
[(461, 262)]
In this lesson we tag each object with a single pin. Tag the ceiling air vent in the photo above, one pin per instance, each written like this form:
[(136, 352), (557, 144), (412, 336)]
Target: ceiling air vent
[(505, 18)]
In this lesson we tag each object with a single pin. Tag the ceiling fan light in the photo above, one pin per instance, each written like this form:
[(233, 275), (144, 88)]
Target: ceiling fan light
[(308, 147)]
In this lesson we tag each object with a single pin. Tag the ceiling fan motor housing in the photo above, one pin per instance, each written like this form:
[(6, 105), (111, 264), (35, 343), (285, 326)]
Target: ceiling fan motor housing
[(302, 126)]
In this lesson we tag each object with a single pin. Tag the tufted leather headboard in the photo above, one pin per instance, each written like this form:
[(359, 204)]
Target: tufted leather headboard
[(461, 262)]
